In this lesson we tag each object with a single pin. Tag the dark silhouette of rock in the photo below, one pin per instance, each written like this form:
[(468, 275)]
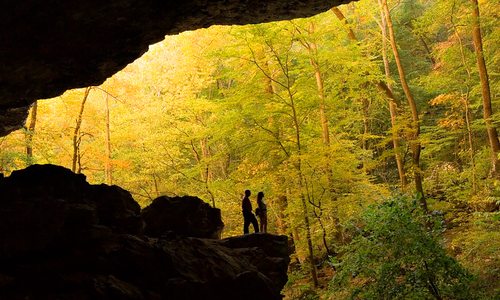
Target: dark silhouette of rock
[(268, 258), (187, 216), (44, 206), (62, 238)]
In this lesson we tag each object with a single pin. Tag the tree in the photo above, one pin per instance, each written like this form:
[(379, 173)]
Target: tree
[(485, 90), (415, 126), (396, 256), (77, 136), (30, 131), (107, 166), (308, 41), (393, 102), (289, 100), (386, 89)]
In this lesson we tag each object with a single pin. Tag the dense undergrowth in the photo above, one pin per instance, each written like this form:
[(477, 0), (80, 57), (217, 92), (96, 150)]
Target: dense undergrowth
[(397, 251)]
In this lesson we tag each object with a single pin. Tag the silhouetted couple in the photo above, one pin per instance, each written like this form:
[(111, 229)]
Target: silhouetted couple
[(249, 217)]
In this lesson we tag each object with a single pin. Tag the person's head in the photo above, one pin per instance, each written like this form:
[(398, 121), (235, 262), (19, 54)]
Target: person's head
[(260, 195), (247, 193)]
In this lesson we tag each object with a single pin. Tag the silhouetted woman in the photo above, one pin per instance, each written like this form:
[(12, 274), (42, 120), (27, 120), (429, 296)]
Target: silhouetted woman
[(262, 212)]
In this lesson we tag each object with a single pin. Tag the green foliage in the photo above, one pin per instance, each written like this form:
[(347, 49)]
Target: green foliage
[(475, 242), (298, 287), (397, 254)]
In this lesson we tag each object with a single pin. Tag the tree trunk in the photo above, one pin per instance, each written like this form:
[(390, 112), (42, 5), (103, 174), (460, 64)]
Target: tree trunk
[(155, 182), (317, 206), (342, 18), (386, 88), (393, 105), (312, 264), (282, 205), (312, 48), (290, 102), (30, 131), (108, 168), (205, 152), (485, 90), (427, 50), (468, 115), (366, 123), (414, 142), (208, 176), (76, 134), (301, 188)]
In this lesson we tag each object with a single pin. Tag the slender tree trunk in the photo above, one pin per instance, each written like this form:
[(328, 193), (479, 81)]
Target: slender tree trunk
[(414, 142), (30, 131), (76, 134), (302, 196), (290, 102), (282, 205), (393, 105), (427, 50), (199, 158), (312, 48), (205, 152), (485, 90), (387, 89), (312, 264), (155, 181), (108, 168), (342, 18), (468, 115), (353, 37), (301, 182), (208, 176), (366, 123), (325, 132), (317, 206), (269, 86)]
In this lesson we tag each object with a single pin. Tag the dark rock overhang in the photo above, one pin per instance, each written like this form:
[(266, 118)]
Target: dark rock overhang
[(48, 47)]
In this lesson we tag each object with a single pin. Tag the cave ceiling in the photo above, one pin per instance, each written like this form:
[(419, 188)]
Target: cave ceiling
[(48, 47)]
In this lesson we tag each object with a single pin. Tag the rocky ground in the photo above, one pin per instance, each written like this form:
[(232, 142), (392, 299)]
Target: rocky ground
[(62, 238)]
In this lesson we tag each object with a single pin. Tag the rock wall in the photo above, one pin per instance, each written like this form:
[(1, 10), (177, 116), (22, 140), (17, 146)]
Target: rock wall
[(50, 46), (62, 238)]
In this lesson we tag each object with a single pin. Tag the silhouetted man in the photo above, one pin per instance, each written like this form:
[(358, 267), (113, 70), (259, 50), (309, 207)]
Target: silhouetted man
[(248, 216)]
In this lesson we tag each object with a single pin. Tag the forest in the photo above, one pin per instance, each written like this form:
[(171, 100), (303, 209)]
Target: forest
[(371, 128)]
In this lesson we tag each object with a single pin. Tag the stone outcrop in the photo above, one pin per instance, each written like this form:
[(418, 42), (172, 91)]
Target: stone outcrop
[(186, 216), (48, 47), (62, 238)]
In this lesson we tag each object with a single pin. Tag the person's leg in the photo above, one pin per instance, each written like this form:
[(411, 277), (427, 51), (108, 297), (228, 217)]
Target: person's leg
[(255, 223), (264, 224), (246, 224)]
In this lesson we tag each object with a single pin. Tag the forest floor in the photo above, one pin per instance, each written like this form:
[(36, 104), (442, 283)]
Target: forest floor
[(474, 240)]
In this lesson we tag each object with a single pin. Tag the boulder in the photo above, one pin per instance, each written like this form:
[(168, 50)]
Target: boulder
[(44, 206), (187, 216)]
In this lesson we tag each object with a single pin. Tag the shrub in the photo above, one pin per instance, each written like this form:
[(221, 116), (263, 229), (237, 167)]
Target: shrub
[(397, 254)]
